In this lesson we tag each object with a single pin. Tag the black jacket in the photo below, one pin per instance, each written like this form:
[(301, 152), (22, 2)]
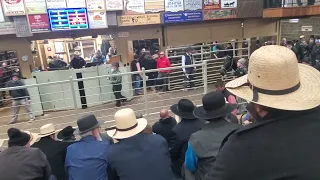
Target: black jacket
[(182, 132), (77, 63), (284, 145), (164, 128), (18, 94), (56, 154)]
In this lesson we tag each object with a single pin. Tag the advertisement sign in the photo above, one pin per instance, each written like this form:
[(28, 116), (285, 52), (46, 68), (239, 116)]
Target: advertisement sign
[(39, 23), (134, 7), (68, 19), (225, 4), (35, 6), (56, 4), (7, 28), (173, 5), (114, 5), (177, 17), (143, 19), (95, 5), (13, 7), (219, 14), (97, 19), (192, 5), (1, 14), (154, 5), (76, 3), (22, 26), (211, 4)]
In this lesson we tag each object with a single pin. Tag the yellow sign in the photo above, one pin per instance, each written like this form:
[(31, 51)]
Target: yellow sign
[(135, 20)]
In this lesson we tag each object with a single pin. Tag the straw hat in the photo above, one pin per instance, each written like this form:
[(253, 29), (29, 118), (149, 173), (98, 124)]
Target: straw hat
[(302, 36), (1, 142), (275, 79), (47, 130), (127, 125), (33, 137)]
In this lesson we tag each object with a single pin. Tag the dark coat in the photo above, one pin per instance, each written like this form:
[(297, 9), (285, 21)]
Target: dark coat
[(141, 157), (21, 163), (283, 145), (56, 154), (164, 128), (77, 63), (182, 132)]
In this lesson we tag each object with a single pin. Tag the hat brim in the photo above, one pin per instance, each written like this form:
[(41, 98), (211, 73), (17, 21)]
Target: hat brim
[(34, 137), (201, 113), (142, 124), (78, 132), (60, 134), (48, 134), (306, 97), (186, 115)]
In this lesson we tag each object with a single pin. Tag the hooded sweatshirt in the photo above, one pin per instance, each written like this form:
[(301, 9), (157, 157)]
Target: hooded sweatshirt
[(163, 62), (18, 94)]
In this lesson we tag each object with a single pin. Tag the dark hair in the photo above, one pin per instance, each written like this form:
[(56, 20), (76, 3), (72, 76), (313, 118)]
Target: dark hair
[(289, 43), (219, 83), (136, 56)]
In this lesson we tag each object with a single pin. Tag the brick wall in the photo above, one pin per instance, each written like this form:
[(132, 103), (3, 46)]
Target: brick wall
[(293, 30)]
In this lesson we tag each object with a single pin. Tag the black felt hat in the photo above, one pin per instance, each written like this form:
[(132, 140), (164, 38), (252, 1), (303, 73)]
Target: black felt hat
[(184, 109), (17, 137), (66, 133)]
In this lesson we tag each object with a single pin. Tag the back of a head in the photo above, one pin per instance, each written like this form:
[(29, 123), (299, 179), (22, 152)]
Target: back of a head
[(17, 137), (219, 83), (164, 113)]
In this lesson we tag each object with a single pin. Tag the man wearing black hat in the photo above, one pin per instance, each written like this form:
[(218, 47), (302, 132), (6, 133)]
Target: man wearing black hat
[(182, 132), (204, 144), (187, 59), (66, 134), (19, 97), (116, 84), (87, 159)]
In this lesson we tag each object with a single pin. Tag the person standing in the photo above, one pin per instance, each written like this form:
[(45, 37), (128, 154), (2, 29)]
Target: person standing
[(77, 61), (149, 64), (20, 97), (187, 59), (116, 82), (163, 62), (136, 78), (315, 53)]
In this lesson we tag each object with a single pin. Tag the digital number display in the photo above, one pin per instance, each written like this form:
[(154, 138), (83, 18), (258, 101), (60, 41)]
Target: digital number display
[(68, 19)]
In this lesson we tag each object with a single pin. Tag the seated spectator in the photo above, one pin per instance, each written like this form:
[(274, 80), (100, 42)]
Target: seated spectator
[(20, 162), (148, 129), (230, 98), (189, 124), (66, 134), (137, 156), (57, 63), (204, 144), (164, 126), (55, 151), (77, 61), (87, 159)]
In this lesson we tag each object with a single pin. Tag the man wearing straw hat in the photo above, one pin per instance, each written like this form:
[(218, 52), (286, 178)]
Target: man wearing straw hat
[(77, 61), (137, 155), (283, 143)]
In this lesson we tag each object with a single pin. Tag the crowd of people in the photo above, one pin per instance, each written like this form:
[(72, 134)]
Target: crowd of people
[(279, 142)]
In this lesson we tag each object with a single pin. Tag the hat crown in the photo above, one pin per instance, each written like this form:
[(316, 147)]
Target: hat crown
[(213, 101), (87, 122), (47, 129), (185, 105), (125, 118), (273, 68)]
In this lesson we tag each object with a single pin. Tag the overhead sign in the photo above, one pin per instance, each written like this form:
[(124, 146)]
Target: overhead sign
[(56, 4), (173, 5), (76, 3), (39, 23), (134, 7), (22, 26), (1, 14), (97, 19), (123, 34), (68, 19), (7, 28), (143, 19), (306, 28), (219, 14), (35, 6), (192, 5), (211, 4), (95, 5), (114, 5), (13, 7), (154, 6), (178, 17), (225, 4)]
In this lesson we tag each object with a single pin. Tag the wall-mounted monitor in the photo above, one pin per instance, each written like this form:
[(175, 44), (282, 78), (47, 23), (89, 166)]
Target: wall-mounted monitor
[(68, 19)]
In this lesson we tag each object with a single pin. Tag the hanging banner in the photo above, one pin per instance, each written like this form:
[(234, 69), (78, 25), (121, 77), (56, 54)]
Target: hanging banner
[(39, 23), (225, 4), (114, 5), (35, 6), (7, 28), (192, 5), (56, 4), (173, 5), (211, 4), (76, 3), (219, 14), (13, 7), (154, 5), (95, 5), (134, 7), (97, 19), (143, 19), (1, 14), (178, 17), (22, 26)]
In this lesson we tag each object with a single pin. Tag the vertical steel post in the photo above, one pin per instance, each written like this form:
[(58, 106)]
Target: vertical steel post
[(145, 92), (249, 48), (234, 48), (205, 76), (74, 96), (201, 53)]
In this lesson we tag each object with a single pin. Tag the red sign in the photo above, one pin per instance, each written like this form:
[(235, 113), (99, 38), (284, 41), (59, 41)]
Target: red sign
[(39, 22)]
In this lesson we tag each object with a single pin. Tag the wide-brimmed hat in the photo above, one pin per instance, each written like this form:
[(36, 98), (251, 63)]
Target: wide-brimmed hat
[(77, 53), (184, 109), (87, 123), (34, 137), (66, 133), (213, 106), (127, 125), (302, 36), (47, 130), (276, 80)]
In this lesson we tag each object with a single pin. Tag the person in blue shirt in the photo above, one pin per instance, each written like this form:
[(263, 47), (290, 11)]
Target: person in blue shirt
[(87, 158), (98, 58)]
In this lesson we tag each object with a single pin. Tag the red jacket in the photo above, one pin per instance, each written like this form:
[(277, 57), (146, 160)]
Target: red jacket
[(163, 62)]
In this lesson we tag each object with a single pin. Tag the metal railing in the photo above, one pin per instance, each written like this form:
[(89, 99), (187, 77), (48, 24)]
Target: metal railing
[(289, 3)]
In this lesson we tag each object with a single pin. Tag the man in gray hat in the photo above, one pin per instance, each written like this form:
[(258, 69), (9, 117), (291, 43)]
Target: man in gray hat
[(116, 82), (187, 59)]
